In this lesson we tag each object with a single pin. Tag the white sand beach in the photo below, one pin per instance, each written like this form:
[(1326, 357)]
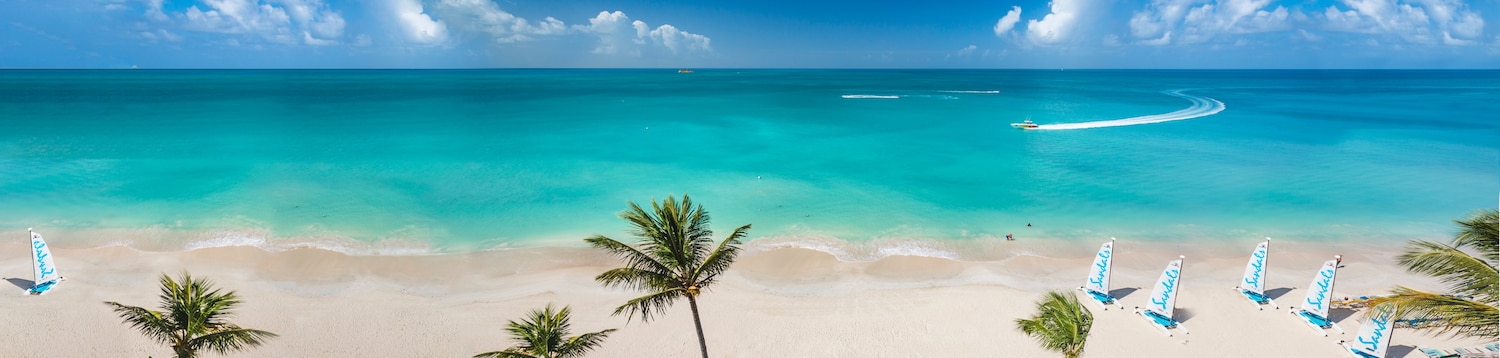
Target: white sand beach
[(772, 303)]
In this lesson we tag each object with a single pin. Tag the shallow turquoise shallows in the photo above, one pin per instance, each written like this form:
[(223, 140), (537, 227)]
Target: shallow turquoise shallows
[(459, 160)]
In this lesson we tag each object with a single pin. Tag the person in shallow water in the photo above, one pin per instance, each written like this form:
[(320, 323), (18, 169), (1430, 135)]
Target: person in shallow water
[(1009, 238)]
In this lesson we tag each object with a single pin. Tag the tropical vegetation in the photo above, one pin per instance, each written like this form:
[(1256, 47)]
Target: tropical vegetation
[(674, 257), (1467, 266), (1060, 324), (194, 317), (544, 334)]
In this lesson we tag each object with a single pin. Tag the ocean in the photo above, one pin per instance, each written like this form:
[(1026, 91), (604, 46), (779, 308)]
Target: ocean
[(396, 162)]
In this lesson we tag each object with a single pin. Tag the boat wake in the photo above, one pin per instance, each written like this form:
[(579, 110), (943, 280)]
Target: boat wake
[(1202, 106)]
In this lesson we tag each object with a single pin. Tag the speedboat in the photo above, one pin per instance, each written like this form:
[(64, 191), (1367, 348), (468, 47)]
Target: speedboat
[(1024, 125)]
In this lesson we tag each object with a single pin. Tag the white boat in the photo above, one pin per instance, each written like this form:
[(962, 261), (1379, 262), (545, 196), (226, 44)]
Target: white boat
[(1375, 335), (44, 271), (1164, 300), (1314, 308), (1024, 125), (1097, 286), (1253, 285)]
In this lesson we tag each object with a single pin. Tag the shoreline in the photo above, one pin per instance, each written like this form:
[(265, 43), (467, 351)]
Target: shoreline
[(770, 303)]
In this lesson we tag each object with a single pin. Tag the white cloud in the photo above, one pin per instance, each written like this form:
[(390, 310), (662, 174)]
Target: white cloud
[(1057, 25), (308, 38), (1008, 22), (416, 25), (673, 39), (487, 17), (1449, 40), (967, 50), (610, 27), (1198, 21), (618, 35), (1309, 36), (1165, 38), (159, 34), (1448, 22), (264, 20)]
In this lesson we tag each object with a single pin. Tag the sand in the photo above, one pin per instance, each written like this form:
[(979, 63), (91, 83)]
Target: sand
[(772, 303)]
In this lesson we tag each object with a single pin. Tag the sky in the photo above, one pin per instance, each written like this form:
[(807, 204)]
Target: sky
[(1174, 34)]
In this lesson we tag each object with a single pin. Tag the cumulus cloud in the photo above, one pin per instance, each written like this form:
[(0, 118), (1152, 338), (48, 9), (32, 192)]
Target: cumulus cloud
[(279, 21), (1448, 22), (416, 25), (1008, 22), (617, 34), (1197, 21), (1057, 25), (967, 50), (486, 17)]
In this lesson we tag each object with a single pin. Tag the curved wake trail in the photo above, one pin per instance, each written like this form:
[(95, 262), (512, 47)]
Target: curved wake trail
[(1202, 106)]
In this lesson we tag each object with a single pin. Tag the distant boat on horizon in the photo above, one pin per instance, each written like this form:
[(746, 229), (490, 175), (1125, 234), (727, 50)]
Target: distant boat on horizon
[(684, 71)]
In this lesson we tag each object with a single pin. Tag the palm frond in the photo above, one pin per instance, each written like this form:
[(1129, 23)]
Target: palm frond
[(506, 354), (231, 339), (1481, 232), (1464, 274), (1061, 324), (638, 279), (719, 260), (582, 344), (653, 304), (151, 323), (1444, 314), (633, 257)]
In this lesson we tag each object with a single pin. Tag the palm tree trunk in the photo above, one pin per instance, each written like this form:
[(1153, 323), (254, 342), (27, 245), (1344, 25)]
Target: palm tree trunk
[(693, 302)]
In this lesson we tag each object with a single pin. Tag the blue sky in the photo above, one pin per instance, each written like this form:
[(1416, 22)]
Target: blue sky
[(750, 33)]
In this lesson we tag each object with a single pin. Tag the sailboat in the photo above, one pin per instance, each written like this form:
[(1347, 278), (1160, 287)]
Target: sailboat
[(1375, 335), (1164, 299), (42, 267), (1314, 308), (1098, 280), (1253, 286)]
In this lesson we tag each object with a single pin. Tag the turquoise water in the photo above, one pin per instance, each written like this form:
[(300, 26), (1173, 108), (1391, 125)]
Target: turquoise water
[(407, 161)]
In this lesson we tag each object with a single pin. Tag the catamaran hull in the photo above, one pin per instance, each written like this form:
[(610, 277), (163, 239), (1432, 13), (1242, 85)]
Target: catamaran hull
[(1252, 297), (42, 289), (1100, 298), (1165, 329), (1298, 313)]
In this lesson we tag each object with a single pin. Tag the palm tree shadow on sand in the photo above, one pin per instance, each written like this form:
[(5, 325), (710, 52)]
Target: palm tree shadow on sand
[(21, 283)]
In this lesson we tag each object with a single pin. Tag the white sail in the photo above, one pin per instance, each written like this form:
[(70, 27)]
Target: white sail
[(1099, 272), (1164, 294), (1320, 292), (1255, 271), (1375, 335), (41, 261)]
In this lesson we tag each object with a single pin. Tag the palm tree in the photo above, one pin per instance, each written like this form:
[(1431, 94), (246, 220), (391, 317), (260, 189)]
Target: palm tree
[(1470, 308), (194, 317), (543, 334), (674, 258), (1061, 324)]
